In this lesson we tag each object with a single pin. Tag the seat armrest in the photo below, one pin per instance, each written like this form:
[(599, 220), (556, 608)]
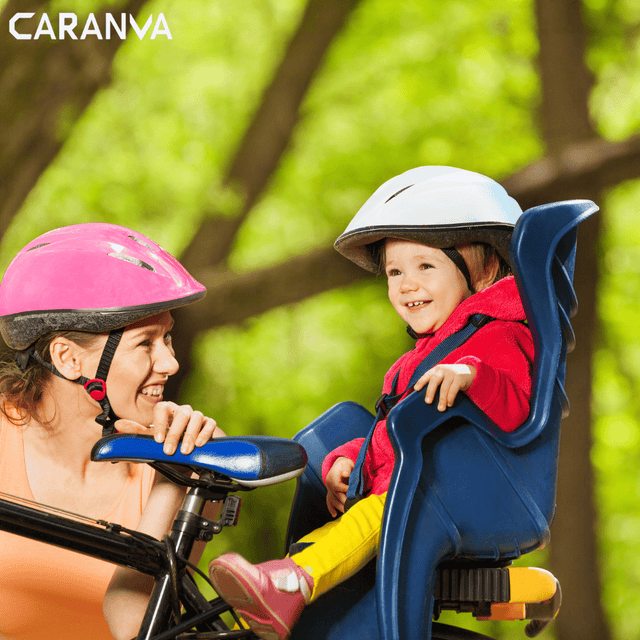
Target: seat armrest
[(341, 423), (424, 418)]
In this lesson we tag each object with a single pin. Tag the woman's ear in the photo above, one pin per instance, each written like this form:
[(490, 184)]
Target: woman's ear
[(66, 357), (488, 276)]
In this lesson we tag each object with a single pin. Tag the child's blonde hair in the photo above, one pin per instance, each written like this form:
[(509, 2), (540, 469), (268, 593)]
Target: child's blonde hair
[(478, 257)]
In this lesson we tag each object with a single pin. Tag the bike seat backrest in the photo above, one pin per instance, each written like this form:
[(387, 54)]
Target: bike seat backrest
[(519, 467), (543, 258), (543, 252), (252, 461)]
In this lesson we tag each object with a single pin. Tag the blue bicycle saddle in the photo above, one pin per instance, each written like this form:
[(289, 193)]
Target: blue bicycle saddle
[(252, 461)]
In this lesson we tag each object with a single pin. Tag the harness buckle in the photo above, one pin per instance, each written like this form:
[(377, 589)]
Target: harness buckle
[(479, 320), (381, 406)]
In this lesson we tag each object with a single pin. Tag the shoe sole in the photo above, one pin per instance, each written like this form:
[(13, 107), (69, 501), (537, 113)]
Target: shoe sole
[(238, 592)]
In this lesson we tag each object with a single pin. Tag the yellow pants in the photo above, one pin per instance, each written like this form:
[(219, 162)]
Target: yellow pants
[(344, 546)]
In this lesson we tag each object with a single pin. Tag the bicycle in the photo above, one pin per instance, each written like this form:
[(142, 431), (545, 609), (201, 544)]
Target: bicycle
[(255, 461), (177, 609)]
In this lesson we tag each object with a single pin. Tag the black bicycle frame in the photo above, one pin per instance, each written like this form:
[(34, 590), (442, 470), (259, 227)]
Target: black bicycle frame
[(117, 545), (101, 541), (114, 544)]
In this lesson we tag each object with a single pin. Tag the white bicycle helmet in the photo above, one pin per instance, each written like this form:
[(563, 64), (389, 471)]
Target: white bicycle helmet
[(443, 207)]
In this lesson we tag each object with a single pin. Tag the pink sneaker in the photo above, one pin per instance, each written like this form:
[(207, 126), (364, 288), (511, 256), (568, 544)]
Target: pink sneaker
[(269, 596)]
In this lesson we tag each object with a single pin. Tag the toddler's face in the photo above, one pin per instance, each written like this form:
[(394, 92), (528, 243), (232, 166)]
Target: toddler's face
[(425, 286)]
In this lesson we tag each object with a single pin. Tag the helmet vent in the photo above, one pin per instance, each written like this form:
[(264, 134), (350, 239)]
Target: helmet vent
[(398, 193), (42, 244), (144, 244), (138, 263)]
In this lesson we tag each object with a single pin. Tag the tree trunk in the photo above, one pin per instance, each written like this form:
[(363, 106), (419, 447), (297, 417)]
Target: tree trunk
[(252, 166), (45, 85), (566, 85), (270, 131)]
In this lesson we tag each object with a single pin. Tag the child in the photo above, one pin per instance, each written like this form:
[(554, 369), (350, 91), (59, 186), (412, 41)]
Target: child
[(441, 237)]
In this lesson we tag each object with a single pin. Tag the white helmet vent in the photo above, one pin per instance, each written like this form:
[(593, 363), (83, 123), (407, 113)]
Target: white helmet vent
[(144, 244)]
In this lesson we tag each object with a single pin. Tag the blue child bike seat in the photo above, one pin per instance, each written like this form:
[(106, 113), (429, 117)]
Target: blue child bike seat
[(462, 489)]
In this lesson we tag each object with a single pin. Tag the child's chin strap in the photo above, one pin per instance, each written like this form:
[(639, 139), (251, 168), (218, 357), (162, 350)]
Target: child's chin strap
[(95, 387), (456, 257)]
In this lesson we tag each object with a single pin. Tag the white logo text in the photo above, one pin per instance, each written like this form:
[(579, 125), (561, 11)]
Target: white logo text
[(68, 23)]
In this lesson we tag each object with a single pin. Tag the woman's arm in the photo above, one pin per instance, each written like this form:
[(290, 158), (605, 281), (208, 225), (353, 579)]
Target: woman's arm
[(128, 593)]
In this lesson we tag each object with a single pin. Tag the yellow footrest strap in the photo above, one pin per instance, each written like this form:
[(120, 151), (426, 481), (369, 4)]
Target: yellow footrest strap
[(534, 595)]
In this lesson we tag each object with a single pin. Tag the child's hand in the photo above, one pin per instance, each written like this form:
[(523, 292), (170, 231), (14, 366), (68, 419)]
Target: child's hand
[(451, 378), (337, 482)]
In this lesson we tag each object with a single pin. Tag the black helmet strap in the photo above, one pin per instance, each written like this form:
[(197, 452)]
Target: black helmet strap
[(95, 387), (454, 255)]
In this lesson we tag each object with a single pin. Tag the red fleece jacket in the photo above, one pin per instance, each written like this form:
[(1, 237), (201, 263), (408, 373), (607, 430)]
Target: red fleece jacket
[(502, 353)]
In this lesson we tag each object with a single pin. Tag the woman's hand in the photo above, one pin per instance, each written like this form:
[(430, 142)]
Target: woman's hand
[(337, 482), (451, 378), (171, 422), (128, 594)]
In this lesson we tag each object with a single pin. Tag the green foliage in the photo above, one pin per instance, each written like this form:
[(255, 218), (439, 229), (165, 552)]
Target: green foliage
[(616, 452), (152, 148), (406, 83), (614, 55)]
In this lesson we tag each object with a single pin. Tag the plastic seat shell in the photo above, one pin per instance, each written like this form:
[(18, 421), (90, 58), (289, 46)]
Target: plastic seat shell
[(462, 489)]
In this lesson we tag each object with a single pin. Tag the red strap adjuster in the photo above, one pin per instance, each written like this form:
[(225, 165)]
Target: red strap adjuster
[(96, 388)]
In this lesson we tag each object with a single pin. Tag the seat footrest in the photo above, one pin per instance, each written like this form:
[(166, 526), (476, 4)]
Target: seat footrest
[(471, 590), (510, 593)]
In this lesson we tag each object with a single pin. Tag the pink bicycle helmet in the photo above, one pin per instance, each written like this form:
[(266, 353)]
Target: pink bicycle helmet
[(93, 277)]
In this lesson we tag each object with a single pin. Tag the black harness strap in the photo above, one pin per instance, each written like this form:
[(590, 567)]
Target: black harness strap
[(456, 257), (97, 387), (387, 401)]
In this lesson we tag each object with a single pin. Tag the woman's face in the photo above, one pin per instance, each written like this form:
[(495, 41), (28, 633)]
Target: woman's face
[(141, 366)]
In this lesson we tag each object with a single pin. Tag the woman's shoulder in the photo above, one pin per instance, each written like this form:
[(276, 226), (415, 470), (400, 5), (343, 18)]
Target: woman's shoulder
[(10, 414), (132, 500), (142, 475)]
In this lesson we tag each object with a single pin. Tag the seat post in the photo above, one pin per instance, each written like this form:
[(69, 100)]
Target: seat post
[(188, 527)]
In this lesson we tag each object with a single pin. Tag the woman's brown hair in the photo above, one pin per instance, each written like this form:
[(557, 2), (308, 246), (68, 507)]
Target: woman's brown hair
[(22, 390)]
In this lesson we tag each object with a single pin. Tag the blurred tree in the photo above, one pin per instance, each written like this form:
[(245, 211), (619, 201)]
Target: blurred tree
[(565, 119), (42, 96)]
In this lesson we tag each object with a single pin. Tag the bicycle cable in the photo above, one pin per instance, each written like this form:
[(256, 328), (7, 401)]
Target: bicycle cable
[(156, 544), (173, 576)]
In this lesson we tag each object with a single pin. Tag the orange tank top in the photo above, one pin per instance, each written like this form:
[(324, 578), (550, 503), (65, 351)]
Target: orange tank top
[(45, 591)]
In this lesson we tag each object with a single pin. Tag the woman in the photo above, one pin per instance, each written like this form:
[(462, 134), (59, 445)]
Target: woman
[(86, 312)]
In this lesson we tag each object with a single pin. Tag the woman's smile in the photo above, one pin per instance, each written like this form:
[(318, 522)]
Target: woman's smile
[(152, 392)]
